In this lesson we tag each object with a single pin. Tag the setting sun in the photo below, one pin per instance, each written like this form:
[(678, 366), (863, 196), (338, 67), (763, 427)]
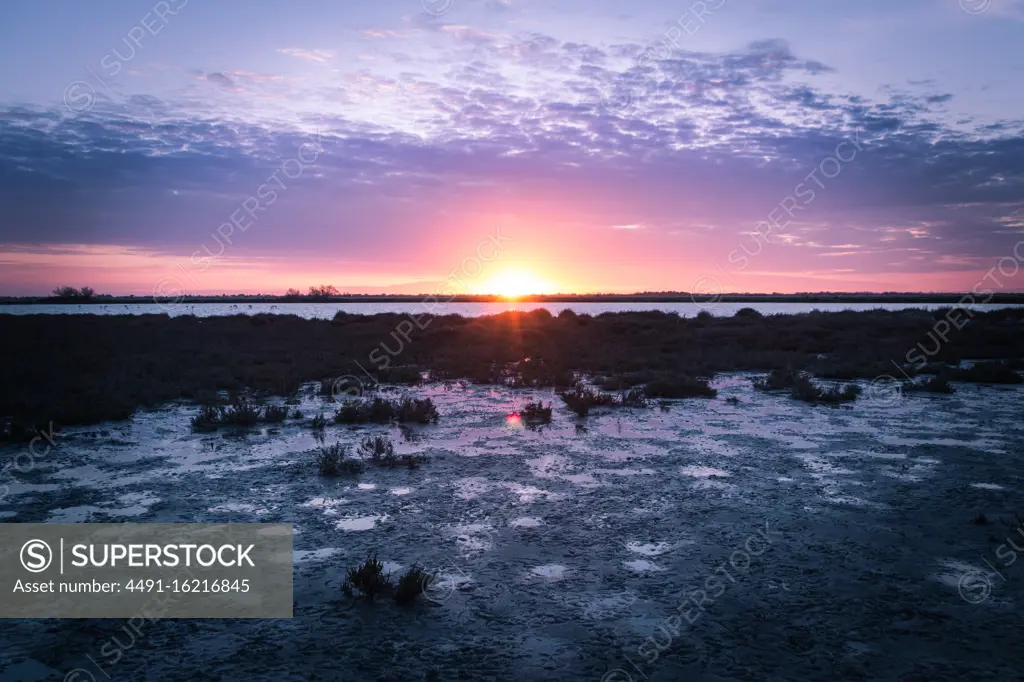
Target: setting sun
[(515, 283)]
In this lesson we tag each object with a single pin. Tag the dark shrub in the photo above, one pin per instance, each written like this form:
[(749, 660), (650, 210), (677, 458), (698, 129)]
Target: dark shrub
[(935, 384), (409, 375), (418, 411), (634, 397), (332, 461), (678, 386), (241, 413), (846, 370), (352, 412), (936, 368), (368, 579), (537, 413), (619, 382), (806, 390), (273, 414), (777, 380), (383, 411), (207, 420), (17, 431), (747, 312), (379, 450), (582, 398), (319, 422), (987, 373), (705, 315), (412, 584)]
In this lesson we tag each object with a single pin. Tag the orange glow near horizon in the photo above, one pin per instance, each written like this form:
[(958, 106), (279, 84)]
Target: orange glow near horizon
[(512, 284), (122, 270)]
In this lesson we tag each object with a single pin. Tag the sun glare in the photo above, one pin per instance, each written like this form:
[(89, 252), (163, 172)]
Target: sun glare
[(515, 283)]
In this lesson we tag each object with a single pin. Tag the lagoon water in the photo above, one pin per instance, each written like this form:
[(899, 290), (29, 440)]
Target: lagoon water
[(587, 549), (327, 310)]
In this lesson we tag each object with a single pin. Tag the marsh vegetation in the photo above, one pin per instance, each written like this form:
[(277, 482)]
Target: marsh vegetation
[(81, 369)]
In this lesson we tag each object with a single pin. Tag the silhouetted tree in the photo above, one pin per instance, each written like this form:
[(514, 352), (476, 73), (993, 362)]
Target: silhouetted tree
[(323, 291)]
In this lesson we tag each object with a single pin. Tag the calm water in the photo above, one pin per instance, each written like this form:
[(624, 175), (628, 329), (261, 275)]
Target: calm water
[(327, 310), (836, 536)]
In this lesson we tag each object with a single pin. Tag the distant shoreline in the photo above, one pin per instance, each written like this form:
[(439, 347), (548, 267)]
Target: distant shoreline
[(673, 297)]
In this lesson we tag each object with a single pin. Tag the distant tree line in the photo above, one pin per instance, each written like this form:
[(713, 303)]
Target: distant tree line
[(85, 293), (320, 293)]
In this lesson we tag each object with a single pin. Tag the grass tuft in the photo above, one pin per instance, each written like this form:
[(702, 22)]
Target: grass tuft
[(239, 413), (537, 413), (801, 387), (383, 411), (379, 450), (412, 584), (581, 398), (367, 580), (333, 461)]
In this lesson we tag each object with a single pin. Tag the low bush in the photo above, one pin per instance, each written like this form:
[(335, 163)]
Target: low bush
[(383, 411), (410, 375), (777, 380), (935, 384), (582, 398), (634, 397), (847, 371), (367, 580), (239, 413), (417, 411), (412, 584), (273, 414), (806, 390), (678, 386), (333, 460), (537, 413), (379, 450), (319, 422), (987, 373), (207, 420)]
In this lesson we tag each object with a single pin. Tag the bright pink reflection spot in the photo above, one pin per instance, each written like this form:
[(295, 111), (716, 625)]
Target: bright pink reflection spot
[(513, 419)]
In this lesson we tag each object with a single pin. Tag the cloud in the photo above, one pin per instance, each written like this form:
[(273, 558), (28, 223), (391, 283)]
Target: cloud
[(319, 56), (380, 33), (705, 144)]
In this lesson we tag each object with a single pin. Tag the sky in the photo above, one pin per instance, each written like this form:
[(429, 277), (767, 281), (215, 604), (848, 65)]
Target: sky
[(510, 146)]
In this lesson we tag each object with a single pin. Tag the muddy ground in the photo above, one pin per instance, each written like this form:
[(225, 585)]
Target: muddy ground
[(843, 540)]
